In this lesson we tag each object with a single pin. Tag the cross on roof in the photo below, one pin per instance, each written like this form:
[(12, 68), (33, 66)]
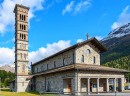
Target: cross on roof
[(87, 35)]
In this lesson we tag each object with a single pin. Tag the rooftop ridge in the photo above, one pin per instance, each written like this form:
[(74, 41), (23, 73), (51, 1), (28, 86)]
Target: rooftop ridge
[(72, 47)]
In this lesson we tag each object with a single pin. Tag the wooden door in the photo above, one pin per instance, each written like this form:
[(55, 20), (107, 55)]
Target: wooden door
[(69, 88), (104, 86)]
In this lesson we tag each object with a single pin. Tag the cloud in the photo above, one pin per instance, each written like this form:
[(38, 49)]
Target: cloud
[(7, 7), (124, 18), (80, 40), (83, 5), (68, 8), (6, 56), (34, 56), (42, 52), (99, 37)]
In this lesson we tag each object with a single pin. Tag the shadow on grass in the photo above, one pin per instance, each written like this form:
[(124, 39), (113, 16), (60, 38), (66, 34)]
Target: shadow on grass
[(33, 92), (7, 90), (43, 94)]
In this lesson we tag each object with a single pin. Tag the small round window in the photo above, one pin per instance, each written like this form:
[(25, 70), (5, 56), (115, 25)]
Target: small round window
[(88, 52)]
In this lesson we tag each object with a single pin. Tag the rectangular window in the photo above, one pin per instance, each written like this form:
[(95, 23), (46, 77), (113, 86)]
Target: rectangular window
[(22, 83), (64, 62), (94, 85), (54, 64), (47, 66), (37, 69)]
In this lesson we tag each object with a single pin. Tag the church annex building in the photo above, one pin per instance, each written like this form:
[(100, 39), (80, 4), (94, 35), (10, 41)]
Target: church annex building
[(74, 70)]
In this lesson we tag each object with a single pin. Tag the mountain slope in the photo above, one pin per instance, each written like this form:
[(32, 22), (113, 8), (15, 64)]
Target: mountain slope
[(119, 32), (7, 68), (117, 43)]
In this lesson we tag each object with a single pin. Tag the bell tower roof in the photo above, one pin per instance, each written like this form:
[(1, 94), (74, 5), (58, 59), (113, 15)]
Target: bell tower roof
[(21, 6)]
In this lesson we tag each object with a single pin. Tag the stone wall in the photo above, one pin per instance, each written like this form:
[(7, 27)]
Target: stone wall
[(70, 57), (88, 57), (22, 84), (53, 82), (63, 59)]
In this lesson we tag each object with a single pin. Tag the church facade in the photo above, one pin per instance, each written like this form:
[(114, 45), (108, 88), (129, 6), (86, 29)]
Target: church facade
[(74, 70)]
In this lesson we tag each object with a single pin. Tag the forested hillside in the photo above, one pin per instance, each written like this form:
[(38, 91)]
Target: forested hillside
[(6, 77), (118, 45)]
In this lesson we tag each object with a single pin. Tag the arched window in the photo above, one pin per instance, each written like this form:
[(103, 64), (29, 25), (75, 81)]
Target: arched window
[(24, 56), (21, 55), (20, 17), (63, 61), (24, 46), (24, 18), (24, 37), (24, 27), (82, 58), (54, 64), (23, 68), (88, 52), (20, 36), (20, 26), (94, 60)]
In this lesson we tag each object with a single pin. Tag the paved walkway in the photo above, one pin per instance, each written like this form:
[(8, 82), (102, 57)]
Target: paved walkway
[(102, 94), (108, 94)]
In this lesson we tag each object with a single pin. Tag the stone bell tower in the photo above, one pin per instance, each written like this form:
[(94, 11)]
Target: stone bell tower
[(21, 48)]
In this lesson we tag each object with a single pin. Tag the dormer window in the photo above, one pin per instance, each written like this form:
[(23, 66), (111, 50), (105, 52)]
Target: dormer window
[(88, 52)]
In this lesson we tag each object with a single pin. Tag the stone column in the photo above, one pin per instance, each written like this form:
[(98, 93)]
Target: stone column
[(114, 84), (88, 86), (78, 86), (73, 85), (97, 85), (107, 84), (122, 84)]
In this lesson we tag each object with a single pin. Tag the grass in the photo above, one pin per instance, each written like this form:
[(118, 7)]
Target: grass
[(6, 92)]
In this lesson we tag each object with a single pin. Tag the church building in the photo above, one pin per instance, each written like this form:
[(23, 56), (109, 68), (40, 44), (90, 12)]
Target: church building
[(77, 70), (74, 70)]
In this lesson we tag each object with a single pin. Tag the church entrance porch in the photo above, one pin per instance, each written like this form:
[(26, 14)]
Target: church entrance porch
[(67, 86), (90, 85), (100, 85)]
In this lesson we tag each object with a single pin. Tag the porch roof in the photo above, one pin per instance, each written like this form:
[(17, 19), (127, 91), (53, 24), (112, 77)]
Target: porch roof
[(79, 66)]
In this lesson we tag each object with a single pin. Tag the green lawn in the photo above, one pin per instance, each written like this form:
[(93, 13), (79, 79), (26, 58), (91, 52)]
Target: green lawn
[(8, 93)]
